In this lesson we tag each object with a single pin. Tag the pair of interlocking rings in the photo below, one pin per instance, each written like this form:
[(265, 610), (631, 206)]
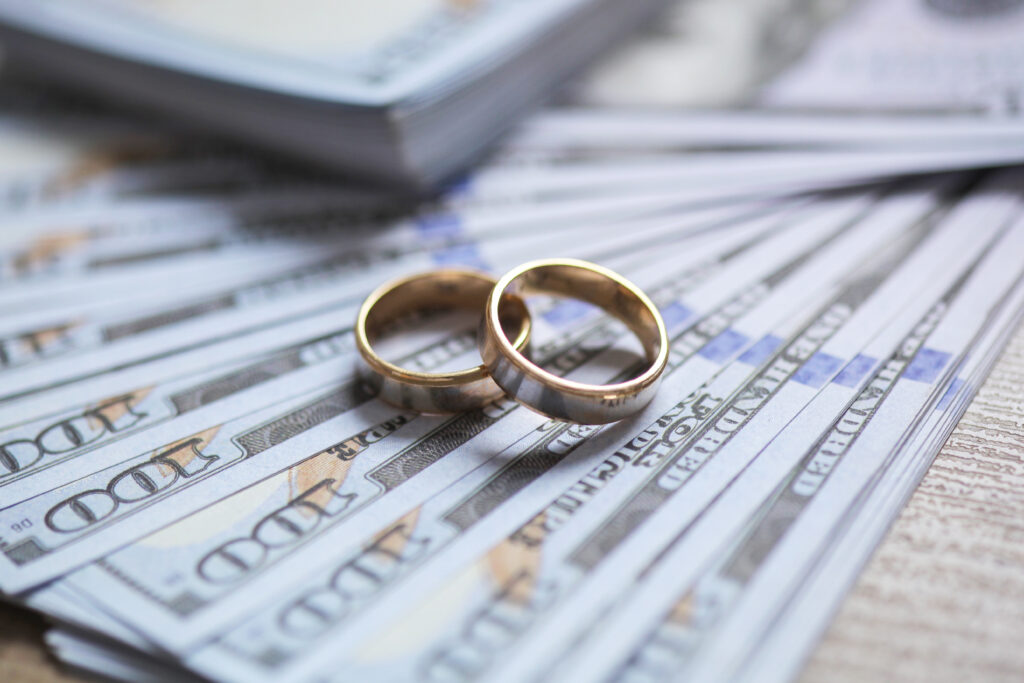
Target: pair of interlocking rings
[(504, 341)]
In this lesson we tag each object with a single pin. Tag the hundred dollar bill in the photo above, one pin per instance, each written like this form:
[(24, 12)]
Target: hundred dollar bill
[(243, 263), (300, 503), (63, 238), (442, 440), (106, 176), (714, 224), (796, 630), (428, 445), (67, 246), (906, 54), (430, 527), (56, 151), (191, 414), (796, 521), (34, 446), (472, 192), (162, 332), (92, 238), (739, 171), (71, 231), (199, 272), (541, 560), (43, 162), (546, 636), (448, 436), (183, 462), (116, 298), (801, 457), (344, 405), (187, 168), (55, 355), (695, 56), (816, 603), (136, 381), (53, 426), (778, 660), (91, 319), (55, 156), (96, 239), (142, 516), (582, 131), (429, 229), (44, 257)]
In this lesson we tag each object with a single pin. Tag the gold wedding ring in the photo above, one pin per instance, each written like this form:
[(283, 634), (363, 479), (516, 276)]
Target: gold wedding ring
[(552, 395), (448, 289)]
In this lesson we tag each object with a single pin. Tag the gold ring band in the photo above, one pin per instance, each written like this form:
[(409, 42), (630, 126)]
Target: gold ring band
[(561, 398), (447, 289)]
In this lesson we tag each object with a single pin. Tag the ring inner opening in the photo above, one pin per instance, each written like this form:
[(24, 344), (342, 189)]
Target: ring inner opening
[(568, 298)]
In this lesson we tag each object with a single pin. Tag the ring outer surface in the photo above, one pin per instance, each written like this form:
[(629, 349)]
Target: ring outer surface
[(565, 399), (427, 392)]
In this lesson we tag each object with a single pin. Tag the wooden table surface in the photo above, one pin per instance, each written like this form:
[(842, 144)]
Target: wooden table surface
[(942, 599)]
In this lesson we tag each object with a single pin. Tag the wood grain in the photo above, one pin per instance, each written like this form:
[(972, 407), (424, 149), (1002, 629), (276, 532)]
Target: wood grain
[(942, 599), (23, 657)]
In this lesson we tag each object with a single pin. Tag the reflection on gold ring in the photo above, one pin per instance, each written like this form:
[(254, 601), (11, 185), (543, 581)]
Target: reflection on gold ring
[(446, 289), (550, 394)]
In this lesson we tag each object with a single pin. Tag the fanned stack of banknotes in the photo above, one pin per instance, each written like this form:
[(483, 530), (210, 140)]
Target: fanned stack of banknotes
[(195, 483)]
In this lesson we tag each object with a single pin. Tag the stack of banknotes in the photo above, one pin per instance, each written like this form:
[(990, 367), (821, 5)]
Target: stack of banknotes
[(195, 483)]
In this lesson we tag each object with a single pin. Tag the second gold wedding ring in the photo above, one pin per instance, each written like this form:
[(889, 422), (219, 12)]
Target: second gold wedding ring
[(430, 392), (550, 394)]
